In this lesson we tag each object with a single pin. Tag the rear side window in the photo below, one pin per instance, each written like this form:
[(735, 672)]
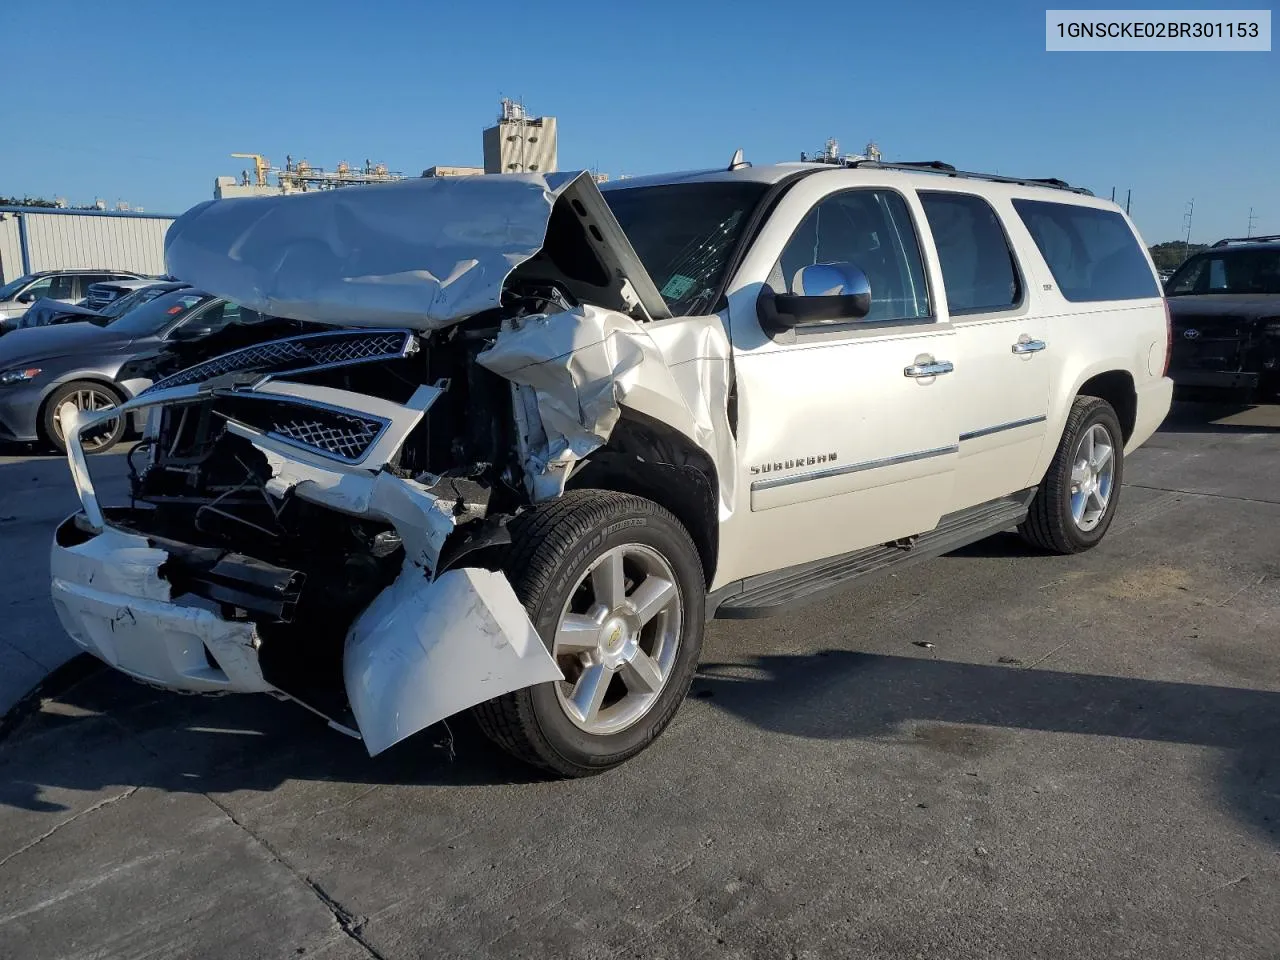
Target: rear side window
[(62, 288), (1092, 253), (978, 269)]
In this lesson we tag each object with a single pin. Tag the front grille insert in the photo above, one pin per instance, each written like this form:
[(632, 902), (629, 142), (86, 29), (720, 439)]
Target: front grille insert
[(306, 353), (338, 434), (334, 432)]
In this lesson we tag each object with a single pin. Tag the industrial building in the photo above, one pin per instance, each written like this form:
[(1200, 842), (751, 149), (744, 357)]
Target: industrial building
[(47, 238), (298, 176), (518, 143), (442, 171)]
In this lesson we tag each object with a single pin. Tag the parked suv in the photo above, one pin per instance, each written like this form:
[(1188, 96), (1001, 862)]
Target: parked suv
[(552, 431), (67, 286), (1225, 307)]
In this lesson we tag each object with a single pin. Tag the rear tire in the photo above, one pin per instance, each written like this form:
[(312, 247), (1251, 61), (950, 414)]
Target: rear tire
[(86, 395), (1077, 499), (589, 567)]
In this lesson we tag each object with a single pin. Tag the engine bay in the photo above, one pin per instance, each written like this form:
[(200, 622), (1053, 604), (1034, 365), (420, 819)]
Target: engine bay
[(301, 571)]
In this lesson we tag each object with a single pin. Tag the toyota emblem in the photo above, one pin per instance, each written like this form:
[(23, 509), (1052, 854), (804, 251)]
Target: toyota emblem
[(1191, 333)]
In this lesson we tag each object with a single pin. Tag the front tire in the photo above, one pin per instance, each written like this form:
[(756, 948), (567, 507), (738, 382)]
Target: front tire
[(614, 586), (1077, 499)]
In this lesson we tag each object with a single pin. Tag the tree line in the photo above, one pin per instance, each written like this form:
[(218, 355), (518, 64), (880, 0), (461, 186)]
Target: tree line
[(1169, 255), (37, 202)]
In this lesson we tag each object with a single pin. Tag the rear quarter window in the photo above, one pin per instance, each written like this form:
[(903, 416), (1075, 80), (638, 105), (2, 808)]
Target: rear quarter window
[(1093, 254)]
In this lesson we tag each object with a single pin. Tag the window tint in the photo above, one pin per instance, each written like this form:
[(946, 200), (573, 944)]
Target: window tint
[(978, 268), (684, 234), (1190, 277), (226, 314), (128, 301), (1092, 253), (1229, 271), (88, 279), (63, 288), (39, 289), (872, 230), (152, 318)]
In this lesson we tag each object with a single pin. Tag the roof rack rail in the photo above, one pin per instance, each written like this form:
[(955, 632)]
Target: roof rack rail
[(947, 170), (1227, 241)]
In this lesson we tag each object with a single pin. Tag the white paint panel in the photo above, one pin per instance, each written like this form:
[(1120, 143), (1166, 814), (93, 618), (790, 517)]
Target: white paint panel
[(64, 241), (10, 249)]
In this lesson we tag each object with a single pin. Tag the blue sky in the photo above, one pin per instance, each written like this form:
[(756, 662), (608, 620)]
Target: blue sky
[(143, 101)]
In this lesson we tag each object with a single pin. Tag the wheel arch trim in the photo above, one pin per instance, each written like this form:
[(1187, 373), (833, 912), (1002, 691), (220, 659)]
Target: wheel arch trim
[(1060, 402)]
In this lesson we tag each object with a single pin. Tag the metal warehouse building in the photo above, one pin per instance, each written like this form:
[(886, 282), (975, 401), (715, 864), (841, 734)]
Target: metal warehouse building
[(43, 238)]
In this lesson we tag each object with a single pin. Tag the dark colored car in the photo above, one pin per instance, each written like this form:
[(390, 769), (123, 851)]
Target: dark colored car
[(46, 313), (100, 364), (1224, 304)]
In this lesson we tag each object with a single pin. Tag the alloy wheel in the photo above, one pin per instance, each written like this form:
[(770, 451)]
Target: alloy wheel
[(1093, 472), (617, 638), (88, 401)]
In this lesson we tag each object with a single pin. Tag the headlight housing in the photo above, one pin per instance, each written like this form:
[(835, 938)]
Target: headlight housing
[(18, 375)]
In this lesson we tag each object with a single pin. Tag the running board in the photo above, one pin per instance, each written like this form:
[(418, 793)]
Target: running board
[(768, 594)]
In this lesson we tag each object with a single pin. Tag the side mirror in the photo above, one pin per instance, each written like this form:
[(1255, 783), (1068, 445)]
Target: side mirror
[(191, 331), (828, 293), (26, 298)]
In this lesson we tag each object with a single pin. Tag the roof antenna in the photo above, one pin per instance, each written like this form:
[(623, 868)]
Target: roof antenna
[(737, 163)]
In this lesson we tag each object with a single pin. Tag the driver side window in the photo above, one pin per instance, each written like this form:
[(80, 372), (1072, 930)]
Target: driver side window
[(38, 289), (871, 229), (226, 314)]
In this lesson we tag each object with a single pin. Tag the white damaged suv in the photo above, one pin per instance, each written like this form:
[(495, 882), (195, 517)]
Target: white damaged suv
[(553, 430)]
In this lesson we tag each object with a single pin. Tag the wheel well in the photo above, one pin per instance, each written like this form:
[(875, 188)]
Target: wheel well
[(650, 460), (88, 378), (1117, 388)]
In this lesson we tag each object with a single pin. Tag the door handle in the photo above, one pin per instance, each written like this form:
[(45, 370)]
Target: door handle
[(1027, 345), (928, 368)]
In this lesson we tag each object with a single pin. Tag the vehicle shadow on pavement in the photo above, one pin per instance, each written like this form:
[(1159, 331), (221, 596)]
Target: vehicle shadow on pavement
[(1192, 417), (839, 694), (107, 730)]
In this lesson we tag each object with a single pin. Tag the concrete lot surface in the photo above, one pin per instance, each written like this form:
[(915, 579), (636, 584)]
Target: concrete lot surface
[(994, 754)]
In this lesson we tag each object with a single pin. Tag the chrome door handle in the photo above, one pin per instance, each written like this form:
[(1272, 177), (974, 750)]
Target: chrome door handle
[(1029, 346), (929, 368)]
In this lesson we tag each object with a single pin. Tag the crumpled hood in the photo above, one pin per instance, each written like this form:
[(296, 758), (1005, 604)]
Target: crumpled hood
[(422, 254)]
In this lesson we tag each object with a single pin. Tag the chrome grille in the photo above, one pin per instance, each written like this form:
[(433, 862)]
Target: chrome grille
[(338, 434), (309, 352)]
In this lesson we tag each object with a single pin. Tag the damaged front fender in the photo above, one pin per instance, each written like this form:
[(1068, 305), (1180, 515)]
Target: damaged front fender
[(423, 651), (575, 370)]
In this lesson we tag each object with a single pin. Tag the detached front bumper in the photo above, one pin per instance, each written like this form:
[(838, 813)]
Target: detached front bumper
[(429, 645), (111, 597)]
